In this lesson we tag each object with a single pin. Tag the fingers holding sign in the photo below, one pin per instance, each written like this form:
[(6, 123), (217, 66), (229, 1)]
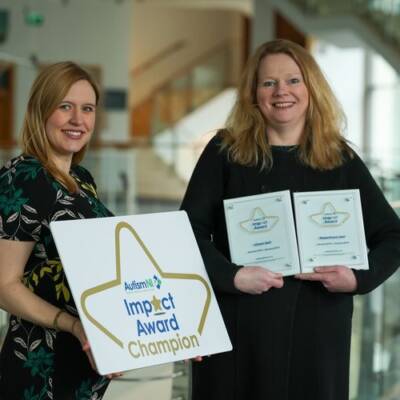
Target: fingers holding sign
[(257, 280), (337, 278)]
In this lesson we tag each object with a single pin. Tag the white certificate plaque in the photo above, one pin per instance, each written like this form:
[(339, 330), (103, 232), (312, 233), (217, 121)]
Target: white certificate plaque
[(261, 232), (141, 289), (330, 229)]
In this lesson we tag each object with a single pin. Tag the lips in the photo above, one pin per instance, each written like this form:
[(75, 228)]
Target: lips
[(285, 104), (73, 133)]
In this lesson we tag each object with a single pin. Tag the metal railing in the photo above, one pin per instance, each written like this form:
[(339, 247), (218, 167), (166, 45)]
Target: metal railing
[(383, 14), (376, 341)]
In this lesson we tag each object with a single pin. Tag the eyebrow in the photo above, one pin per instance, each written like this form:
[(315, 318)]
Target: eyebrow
[(286, 76), (84, 104)]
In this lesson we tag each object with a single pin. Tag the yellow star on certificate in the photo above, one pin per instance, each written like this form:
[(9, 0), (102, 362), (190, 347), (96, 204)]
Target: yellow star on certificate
[(329, 217), (259, 222), (156, 303)]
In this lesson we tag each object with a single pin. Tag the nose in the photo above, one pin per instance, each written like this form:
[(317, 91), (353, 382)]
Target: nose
[(280, 88), (76, 116)]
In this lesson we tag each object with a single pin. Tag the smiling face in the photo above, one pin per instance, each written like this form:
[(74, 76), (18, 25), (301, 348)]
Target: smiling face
[(70, 126), (282, 98)]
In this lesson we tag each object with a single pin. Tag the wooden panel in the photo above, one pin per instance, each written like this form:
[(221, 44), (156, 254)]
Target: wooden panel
[(284, 29), (141, 119), (246, 40), (6, 105)]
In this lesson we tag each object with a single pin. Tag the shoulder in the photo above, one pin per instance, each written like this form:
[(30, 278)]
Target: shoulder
[(27, 194), (215, 148), (27, 172), (216, 142), (354, 164), (22, 165), (83, 174), (359, 176)]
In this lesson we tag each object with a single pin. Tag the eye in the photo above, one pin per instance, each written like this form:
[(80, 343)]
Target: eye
[(294, 81), (89, 108), (65, 106), (268, 83)]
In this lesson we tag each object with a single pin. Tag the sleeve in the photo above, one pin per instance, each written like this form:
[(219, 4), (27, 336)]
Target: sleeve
[(382, 230), (27, 196), (202, 202)]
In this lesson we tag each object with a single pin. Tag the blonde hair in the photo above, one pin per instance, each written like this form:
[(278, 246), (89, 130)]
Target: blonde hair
[(48, 90), (321, 146)]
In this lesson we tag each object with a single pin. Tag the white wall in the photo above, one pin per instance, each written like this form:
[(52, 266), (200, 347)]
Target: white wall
[(90, 32)]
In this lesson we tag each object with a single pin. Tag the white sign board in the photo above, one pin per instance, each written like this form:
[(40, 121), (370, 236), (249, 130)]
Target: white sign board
[(141, 289)]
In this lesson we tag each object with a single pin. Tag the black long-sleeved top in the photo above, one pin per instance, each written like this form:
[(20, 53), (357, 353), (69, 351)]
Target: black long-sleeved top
[(293, 342)]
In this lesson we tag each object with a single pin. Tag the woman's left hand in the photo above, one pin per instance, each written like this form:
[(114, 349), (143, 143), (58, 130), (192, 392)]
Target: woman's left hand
[(337, 278)]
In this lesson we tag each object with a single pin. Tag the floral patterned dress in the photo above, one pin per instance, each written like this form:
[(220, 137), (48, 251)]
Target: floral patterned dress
[(39, 363)]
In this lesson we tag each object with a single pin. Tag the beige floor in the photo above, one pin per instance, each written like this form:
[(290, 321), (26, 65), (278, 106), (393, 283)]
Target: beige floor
[(140, 389)]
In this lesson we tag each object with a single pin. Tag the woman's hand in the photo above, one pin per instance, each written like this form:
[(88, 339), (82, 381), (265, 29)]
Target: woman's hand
[(256, 280), (79, 333), (194, 359), (337, 278)]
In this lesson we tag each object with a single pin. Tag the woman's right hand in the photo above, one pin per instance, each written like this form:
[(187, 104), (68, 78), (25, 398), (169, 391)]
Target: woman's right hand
[(257, 280), (78, 331)]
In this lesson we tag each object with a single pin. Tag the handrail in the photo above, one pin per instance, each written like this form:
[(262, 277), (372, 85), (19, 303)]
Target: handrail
[(166, 52), (151, 378), (134, 143), (374, 11), (375, 22), (184, 70)]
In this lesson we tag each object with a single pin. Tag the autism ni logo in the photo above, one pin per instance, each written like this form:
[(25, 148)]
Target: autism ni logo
[(140, 286)]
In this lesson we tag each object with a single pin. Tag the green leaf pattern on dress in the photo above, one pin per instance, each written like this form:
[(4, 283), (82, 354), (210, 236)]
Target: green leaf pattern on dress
[(33, 345)]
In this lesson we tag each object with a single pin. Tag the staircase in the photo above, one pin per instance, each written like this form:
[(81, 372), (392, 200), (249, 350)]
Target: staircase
[(155, 179), (158, 122), (374, 23), (185, 91)]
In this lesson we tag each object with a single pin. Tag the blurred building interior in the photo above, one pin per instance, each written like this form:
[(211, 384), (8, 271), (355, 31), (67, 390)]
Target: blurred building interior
[(168, 70)]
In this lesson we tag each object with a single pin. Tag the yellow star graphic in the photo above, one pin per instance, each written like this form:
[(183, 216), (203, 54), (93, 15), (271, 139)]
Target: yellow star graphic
[(259, 222), (117, 282), (156, 303), (329, 217)]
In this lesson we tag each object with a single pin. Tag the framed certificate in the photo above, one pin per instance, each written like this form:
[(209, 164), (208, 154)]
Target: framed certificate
[(261, 232), (330, 229)]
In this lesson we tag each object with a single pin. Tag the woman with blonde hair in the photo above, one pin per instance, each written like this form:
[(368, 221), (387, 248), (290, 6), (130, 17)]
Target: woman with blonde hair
[(290, 336), (45, 354)]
